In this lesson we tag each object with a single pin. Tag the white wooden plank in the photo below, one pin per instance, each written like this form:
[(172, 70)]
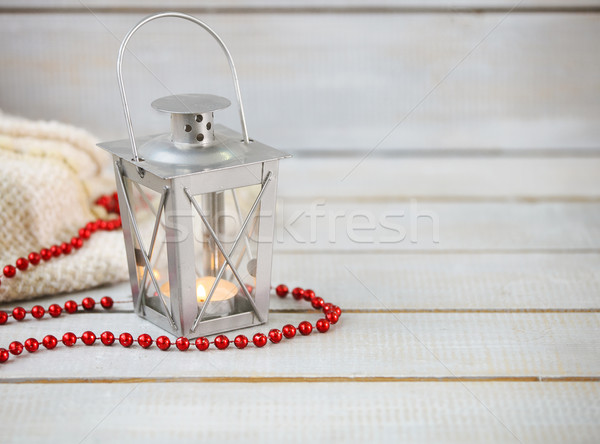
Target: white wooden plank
[(334, 226), (361, 345), (262, 4), (439, 178), (418, 282), (345, 84), (447, 281), (292, 412)]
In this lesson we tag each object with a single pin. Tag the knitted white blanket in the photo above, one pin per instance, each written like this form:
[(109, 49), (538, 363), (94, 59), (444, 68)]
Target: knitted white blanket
[(50, 174)]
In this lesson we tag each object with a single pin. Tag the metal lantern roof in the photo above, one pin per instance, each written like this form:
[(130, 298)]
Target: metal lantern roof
[(163, 158)]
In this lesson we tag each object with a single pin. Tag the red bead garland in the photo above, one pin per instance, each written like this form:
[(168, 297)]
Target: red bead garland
[(69, 339), (182, 343), (38, 312), (125, 339), (109, 202), (49, 342), (259, 339), (275, 336), (144, 340), (31, 345), (240, 341), (107, 338), (202, 343), (163, 342), (88, 338), (289, 331), (221, 342), (305, 328)]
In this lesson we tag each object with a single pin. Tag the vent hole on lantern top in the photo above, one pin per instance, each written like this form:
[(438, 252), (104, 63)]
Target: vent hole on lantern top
[(187, 128), (200, 137), (199, 118), (208, 125)]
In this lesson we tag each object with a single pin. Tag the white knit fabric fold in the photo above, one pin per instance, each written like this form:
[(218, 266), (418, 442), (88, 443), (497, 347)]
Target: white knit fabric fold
[(50, 174)]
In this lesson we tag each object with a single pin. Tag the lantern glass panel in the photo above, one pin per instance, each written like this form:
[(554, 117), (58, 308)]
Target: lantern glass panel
[(145, 204), (234, 219)]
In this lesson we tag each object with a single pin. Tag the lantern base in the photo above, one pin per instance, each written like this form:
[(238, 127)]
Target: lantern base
[(215, 322)]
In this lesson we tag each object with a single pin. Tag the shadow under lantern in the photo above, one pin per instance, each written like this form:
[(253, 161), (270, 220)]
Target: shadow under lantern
[(198, 210)]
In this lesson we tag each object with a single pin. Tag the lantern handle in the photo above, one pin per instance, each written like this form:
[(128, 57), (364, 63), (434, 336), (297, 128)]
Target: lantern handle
[(208, 29)]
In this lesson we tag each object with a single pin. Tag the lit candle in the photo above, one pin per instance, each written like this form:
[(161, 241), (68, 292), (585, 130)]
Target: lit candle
[(225, 290)]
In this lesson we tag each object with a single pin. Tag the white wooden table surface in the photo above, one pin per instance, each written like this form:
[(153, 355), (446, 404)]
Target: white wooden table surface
[(491, 113), (489, 335)]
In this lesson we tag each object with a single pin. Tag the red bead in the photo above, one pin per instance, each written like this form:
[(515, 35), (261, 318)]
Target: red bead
[(259, 339), (91, 227), (10, 271), (3, 317), (145, 340), (275, 336), (15, 348), (88, 304), (49, 342), (317, 302), (327, 307), (102, 225), (85, 234), (88, 338), (106, 302), (22, 263), (110, 225), (182, 343), (202, 343), (77, 242), (308, 295), (107, 338), (240, 341), (125, 339), (45, 254), (19, 313), (69, 339), (163, 342), (337, 310), (38, 312), (282, 290), (297, 293), (70, 306), (66, 248), (34, 258), (31, 345), (55, 250), (3, 355), (305, 328), (55, 310), (221, 342), (289, 331), (322, 325), (332, 317)]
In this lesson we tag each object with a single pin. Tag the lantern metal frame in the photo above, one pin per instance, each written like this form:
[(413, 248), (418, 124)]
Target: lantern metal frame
[(236, 161)]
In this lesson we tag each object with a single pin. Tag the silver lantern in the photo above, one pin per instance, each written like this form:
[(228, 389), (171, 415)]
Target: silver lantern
[(198, 208)]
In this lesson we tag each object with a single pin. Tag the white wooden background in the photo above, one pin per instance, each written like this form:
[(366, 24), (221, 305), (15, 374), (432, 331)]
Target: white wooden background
[(489, 335)]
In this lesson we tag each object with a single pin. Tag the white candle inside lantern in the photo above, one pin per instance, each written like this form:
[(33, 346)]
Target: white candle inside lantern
[(225, 289)]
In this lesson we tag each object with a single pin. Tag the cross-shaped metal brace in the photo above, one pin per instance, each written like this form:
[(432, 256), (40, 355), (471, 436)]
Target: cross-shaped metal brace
[(227, 256)]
